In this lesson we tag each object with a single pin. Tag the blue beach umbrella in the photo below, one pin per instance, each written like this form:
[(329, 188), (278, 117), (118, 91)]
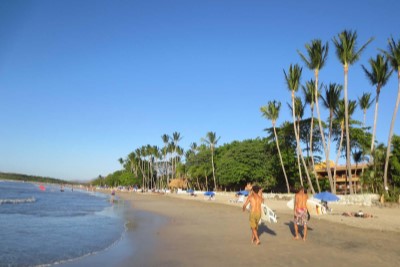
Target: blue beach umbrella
[(209, 193), (326, 196), (243, 192)]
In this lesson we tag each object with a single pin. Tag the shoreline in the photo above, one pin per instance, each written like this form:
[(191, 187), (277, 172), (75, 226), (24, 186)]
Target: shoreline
[(193, 231)]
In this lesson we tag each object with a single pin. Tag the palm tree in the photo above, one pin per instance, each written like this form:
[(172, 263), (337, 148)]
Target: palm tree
[(357, 158), (317, 54), (394, 57), (330, 101), (299, 113), (340, 119), (309, 98), (211, 140), (379, 75), (176, 137), (293, 83), (121, 161), (271, 112), (165, 139), (348, 54), (365, 103)]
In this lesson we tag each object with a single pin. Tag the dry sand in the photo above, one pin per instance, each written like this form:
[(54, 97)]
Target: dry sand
[(179, 230)]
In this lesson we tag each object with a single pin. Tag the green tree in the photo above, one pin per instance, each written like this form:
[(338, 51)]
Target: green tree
[(340, 120), (165, 139), (293, 83), (211, 140), (378, 76), (309, 98), (271, 112), (317, 54), (331, 102), (347, 53), (365, 103), (241, 162)]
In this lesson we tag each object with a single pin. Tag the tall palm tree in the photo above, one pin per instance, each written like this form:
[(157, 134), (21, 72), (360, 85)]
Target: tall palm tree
[(176, 137), (211, 140), (348, 54), (271, 112), (299, 113), (365, 103), (317, 54), (394, 57), (308, 91), (293, 82), (165, 139), (330, 102), (357, 158), (378, 76), (340, 119)]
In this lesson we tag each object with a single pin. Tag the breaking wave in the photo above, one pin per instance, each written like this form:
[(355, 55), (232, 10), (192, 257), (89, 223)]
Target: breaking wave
[(17, 200)]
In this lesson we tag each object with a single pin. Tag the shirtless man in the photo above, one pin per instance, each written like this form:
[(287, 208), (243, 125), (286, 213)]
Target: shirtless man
[(300, 213), (255, 212)]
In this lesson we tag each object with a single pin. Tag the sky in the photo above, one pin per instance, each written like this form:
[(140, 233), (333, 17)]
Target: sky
[(84, 83)]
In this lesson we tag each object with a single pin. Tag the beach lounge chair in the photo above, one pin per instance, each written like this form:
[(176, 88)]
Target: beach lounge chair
[(239, 199)]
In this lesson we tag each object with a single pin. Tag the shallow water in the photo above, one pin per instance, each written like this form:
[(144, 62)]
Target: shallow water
[(46, 227)]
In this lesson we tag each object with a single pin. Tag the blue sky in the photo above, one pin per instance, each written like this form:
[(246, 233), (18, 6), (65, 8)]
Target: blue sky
[(84, 83)]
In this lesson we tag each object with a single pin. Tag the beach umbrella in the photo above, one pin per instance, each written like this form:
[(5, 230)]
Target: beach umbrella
[(326, 196), (209, 193), (243, 192)]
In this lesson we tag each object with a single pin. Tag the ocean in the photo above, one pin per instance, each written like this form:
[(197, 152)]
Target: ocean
[(45, 227)]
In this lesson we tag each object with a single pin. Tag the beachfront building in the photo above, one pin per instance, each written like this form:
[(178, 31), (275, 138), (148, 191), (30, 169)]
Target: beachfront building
[(342, 183)]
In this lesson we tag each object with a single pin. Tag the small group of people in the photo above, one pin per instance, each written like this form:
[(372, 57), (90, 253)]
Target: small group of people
[(255, 199)]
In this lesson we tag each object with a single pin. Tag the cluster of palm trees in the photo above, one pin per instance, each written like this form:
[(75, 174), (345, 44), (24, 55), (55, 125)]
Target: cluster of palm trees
[(340, 110), (157, 166)]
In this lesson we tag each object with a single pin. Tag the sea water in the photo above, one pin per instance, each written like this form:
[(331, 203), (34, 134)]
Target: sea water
[(45, 227)]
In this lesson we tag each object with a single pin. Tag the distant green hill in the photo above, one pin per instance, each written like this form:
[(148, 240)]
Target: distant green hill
[(31, 178)]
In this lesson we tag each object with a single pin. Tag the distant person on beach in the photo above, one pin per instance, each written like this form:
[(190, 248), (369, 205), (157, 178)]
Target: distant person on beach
[(255, 212), (300, 213)]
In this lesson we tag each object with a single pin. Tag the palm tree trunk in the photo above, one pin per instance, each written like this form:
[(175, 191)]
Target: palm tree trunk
[(311, 150), (375, 120), (297, 142), (303, 161), (213, 169), (198, 184), (328, 168), (280, 158), (337, 159), (346, 107), (390, 135)]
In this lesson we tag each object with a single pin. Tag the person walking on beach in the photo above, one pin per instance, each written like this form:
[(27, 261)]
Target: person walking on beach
[(255, 212), (300, 213)]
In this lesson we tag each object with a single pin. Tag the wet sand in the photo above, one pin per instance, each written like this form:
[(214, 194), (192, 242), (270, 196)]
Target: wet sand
[(179, 230)]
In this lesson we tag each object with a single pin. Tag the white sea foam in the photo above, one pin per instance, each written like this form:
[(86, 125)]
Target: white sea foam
[(17, 200)]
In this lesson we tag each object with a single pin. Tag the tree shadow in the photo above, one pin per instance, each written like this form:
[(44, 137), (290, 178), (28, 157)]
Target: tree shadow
[(301, 229), (262, 228)]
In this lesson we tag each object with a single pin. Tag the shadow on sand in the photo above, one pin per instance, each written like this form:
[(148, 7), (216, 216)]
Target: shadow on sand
[(301, 229), (262, 228)]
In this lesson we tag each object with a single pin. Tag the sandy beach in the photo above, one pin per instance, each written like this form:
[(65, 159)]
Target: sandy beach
[(180, 230)]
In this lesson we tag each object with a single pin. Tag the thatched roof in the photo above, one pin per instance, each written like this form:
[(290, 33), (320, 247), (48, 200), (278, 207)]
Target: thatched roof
[(178, 183)]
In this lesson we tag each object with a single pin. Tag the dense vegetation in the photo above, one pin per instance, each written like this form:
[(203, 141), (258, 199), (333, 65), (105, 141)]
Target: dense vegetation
[(31, 178)]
